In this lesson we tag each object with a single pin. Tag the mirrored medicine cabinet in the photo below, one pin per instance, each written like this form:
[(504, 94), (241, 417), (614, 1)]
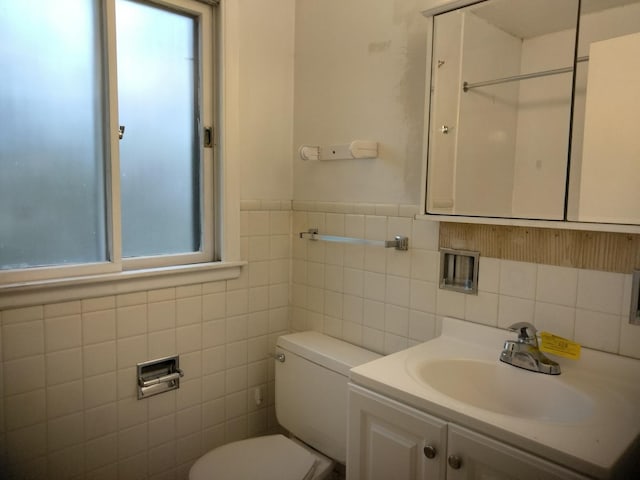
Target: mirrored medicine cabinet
[(534, 110)]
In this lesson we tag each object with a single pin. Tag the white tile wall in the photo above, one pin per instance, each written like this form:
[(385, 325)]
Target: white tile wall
[(68, 406), (391, 299)]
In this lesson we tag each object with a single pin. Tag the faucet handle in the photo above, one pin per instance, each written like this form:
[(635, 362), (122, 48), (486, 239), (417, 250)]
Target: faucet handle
[(526, 332)]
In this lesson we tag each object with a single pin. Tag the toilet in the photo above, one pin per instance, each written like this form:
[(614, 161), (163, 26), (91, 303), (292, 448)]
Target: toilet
[(311, 376)]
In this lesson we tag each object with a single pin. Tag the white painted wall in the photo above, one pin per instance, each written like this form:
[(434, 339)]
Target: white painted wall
[(265, 65), (359, 74)]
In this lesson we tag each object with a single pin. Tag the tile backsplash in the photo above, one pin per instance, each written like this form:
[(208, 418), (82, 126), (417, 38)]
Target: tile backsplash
[(69, 406), (387, 300)]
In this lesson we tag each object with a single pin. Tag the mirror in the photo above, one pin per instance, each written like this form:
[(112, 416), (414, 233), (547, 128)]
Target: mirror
[(504, 119), (605, 157)]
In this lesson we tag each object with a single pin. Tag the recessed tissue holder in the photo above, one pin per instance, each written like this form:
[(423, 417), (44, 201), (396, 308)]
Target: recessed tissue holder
[(158, 376)]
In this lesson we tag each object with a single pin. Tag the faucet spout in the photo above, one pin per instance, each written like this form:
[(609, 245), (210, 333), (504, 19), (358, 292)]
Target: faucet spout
[(524, 352)]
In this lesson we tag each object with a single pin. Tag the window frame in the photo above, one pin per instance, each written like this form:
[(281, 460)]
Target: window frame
[(220, 254)]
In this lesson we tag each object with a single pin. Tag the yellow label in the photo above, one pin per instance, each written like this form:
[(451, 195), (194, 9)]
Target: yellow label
[(559, 346)]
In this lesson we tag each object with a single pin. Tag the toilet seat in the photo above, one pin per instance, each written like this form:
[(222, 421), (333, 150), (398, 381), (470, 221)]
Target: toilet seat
[(272, 457)]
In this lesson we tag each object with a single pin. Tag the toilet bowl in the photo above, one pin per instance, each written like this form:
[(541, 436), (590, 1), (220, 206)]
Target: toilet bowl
[(272, 457), (311, 376)]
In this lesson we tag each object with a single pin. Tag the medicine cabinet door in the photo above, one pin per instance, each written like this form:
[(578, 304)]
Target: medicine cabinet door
[(605, 153), (500, 110)]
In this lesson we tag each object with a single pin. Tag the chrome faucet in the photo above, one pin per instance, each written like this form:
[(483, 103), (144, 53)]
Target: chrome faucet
[(524, 352)]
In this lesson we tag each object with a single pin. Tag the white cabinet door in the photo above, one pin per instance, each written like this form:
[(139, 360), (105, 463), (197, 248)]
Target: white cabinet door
[(388, 440), (471, 456)]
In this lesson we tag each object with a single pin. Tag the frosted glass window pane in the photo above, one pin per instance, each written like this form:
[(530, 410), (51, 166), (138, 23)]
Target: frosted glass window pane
[(52, 194), (159, 160)]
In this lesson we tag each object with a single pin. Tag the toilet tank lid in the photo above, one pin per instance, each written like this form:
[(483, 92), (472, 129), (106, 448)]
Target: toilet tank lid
[(327, 351)]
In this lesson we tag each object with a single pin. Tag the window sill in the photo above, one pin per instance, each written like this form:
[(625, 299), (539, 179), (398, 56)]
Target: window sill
[(74, 288)]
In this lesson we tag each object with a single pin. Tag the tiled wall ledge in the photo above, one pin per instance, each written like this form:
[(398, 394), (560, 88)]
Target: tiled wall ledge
[(258, 205), (382, 209), (604, 251)]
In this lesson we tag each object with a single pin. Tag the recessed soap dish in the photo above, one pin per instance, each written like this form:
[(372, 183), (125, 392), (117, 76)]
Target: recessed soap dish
[(459, 270)]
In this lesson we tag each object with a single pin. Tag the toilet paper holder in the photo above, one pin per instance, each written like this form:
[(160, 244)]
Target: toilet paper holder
[(158, 376)]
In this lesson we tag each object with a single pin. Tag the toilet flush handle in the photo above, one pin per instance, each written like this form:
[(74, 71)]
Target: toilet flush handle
[(279, 357)]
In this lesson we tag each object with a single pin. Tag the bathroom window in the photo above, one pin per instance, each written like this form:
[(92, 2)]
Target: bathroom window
[(75, 76)]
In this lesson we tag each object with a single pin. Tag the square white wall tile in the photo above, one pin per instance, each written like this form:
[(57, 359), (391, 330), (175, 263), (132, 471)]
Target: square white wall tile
[(482, 308), (373, 314), (425, 235), (132, 350), (25, 409), (62, 333), (375, 286), (600, 291), (423, 296), (513, 309), (99, 358), (518, 279), (450, 303), (65, 399), (65, 431), (425, 264), (488, 274), (279, 223), (335, 224), (23, 375), (99, 326), (188, 310), (373, 339), (353, 281), (64, 366), (422, 326), (398, 290), (353, 309), (375, 227), (22, 339), (354, 226), (555, 319), (598, 330), (398, 262), (557, 285), (131, 321), (396, 320)]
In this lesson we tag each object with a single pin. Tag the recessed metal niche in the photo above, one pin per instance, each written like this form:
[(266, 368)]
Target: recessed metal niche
[(459, 270)]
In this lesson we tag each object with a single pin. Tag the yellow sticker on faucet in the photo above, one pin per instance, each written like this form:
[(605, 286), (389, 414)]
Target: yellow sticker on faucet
[(559, 346)]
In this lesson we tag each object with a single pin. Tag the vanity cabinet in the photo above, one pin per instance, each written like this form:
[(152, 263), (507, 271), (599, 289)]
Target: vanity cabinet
[(390, 440)]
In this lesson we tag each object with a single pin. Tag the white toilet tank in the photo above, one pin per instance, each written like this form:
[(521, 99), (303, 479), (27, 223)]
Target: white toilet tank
[(311, 388)]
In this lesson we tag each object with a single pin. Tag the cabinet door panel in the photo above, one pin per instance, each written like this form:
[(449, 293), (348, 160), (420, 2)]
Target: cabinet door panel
[(483, 458), (387, 440)]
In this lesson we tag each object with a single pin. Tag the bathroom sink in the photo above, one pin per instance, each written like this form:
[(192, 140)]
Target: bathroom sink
[(505, 389), (585, 417)]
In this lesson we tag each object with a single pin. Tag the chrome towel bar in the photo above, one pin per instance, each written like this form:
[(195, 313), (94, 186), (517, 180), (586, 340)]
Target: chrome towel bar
[(399, 242)]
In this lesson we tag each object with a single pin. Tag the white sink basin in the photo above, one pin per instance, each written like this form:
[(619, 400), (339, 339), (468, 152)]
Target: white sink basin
[(505, 389), (587, 417)]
